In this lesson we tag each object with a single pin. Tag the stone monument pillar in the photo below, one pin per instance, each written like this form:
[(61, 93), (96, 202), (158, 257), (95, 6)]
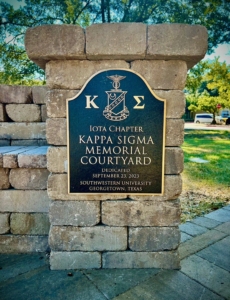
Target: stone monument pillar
[(110, 230)]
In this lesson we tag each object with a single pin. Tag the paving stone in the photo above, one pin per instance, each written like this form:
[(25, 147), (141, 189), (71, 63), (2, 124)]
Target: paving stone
[(34, 158), (4, 179), (75, 260), (116, 41), (153, 238), (29, 179), (200, 242), (174, 160), (221, 215), (23, 131), (185, 237), (39, 94), (57, 159), (75, 213), (205, 222), (29, 224), (23, 244), (10, 159), (225, 227), (24, 112), (132, 260), (97, 238), (15, 94), (192, 229), (167, 285), (24, 201), (209, 275), (218, 253), (4, 223), (6, 149), (56, 131), (174, 132)]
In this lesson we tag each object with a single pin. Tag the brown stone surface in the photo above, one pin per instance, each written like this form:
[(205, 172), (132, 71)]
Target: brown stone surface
[(29, 224), (153, 238), (75, 213), (97, 238), (161, 74), (10, 158), (56, 102), (144, 213), (33, 158), (4, 223), (23, 131), (29, 179), (4, 179), (24, 201), (24, 112), (51, 42), (57, 159), (23, 244), (177, 41), (116, 41), (174, 160), (73, 74), (75, 260), (174, 132), (3, 115), (15, 94), (7, 150), (39, 94), (43, 112), (56, 133), (132, 260)]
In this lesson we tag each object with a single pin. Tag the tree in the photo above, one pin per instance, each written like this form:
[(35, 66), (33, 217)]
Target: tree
[(208, 84)]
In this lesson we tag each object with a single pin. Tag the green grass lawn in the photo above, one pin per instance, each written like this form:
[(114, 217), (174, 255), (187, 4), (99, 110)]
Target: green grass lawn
[(206, 176)]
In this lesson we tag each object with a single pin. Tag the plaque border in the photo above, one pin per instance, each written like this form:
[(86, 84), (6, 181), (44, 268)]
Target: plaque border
[(163, 144)]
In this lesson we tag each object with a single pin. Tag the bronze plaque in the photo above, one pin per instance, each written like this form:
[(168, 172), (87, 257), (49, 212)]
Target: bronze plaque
[(116, 133)]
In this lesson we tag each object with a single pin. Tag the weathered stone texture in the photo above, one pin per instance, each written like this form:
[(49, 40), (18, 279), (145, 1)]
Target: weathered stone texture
[(39, 142), (132, 260), (174, 160), (23, 244), (4, 143), (4, 179), (174, 132), (33, 224), (23, 131), (57, 159), (24, 201), (24, 112), (15, 94), (6, 150), (161, 74), (97, 238), (43, 113), (4, 223), (75, 260), (177, 41), (10, 158), (153, 238), (116, 41), (56, 102), (29, 179), (51, 42), (3, 115), (145, 213), (75, 213), (56, 132), (39, 94), (73, 74), (34, 158)]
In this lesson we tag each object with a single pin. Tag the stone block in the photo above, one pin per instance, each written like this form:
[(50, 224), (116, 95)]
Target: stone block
[(23, 244), (39, 94), (116, 41), (57, 159), (177, 41), (75, 213), (161, 74), (4, 223), (3, 115), (29, 142), (174, 160), (144, 213), (43, 112), (29, 179), (6, 150), (132, 260), (15, 94), (4, 143), (24, 201), (153, 238), (4, 179), (73, 74), (174, 132), (33, 158), (56, 102), (97, 238), (65, 42), (75, 260), (29, 224), (10, 159), (175, 103), (56, 132), (23, 131), (24, 112)]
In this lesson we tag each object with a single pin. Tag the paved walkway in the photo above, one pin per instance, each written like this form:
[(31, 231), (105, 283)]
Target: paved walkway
[(204, 274)]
